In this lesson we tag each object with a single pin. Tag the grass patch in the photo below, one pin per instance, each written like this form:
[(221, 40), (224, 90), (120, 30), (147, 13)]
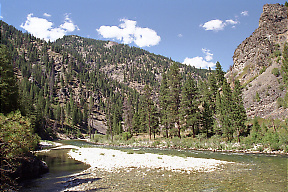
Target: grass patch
[(130, 152), (74, 150)]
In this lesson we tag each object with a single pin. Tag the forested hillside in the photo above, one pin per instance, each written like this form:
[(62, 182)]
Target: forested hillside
[(77, 85), (66, 86)]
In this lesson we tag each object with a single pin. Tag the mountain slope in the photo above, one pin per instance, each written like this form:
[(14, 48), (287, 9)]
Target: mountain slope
[(257, 59), (67, 85)]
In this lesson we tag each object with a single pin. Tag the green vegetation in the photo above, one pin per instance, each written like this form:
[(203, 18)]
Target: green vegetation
[(17, 136), (263, 69), (257, 97), (276, 72), (264, 136)]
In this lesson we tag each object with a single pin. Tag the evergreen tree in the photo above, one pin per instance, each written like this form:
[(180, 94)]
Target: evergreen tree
[(163, 99), (128, 114), (219, 74), (154, 120), (8, 83), (149, 110), (284, 66), (227, 111), (208, 105), (174, 83), (189, 105), (207, 119), (239, 112), (136, 123)]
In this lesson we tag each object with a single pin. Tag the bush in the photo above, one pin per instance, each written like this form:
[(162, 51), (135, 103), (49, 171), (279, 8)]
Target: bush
[(155, 143), (126, 136), (17, 139), (263, 70), (276, 72), (280, 102), (257, 97), (18, 135), (277, 53)]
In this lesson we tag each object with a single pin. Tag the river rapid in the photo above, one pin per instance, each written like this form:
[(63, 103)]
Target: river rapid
[(249, 172)]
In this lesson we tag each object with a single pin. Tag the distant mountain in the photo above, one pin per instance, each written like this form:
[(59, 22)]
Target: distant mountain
[(258, 64), (132, 66)]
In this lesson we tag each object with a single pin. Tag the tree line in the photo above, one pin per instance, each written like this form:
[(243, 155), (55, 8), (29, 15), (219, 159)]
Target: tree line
[(206, 107)]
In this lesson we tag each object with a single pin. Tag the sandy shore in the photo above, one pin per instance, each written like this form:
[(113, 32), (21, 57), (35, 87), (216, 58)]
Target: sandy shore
[(109, 160)]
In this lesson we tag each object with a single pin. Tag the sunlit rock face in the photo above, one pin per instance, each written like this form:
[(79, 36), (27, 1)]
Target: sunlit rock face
[(254, 60)]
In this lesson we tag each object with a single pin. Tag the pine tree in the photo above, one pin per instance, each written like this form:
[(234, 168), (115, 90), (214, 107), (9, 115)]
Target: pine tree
[(213, 88), (239, 112), (284, 66), (148, 109), (227, 111), (207, 118), (163, 99), (154, 120), (136, 123), (128, 114), (189, 105), (174, 83), (8, 83), (208, 105), (219, 74)]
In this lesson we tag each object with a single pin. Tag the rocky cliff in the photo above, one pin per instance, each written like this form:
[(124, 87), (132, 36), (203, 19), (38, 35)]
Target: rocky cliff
[(256, 57)]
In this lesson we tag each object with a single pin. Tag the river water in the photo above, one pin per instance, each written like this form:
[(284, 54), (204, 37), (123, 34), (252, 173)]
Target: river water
[(249, 172)]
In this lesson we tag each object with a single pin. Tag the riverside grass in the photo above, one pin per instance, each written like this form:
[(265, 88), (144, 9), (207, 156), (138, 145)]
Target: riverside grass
[(268, 142)]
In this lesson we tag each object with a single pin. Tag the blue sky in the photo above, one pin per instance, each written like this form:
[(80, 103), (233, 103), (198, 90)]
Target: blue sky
[(196, 32)]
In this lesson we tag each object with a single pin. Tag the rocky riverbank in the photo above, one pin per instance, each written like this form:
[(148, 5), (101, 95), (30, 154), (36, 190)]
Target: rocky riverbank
[(133, 165)]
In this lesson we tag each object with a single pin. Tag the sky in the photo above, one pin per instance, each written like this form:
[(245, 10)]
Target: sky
[(194, 32)]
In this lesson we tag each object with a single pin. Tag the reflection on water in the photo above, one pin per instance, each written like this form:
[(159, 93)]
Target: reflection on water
[(60, 166)]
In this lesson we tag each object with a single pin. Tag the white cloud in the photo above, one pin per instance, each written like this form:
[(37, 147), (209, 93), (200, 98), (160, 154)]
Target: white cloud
[(244, 13), (218, 25), (180, 35), (128, 32), (231, 22), (43, 29), (214, 25), (69, 25), (200, 62), (209, 56), (46, 15)]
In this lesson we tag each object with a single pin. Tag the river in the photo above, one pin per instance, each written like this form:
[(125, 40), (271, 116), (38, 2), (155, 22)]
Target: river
[(250, 172)]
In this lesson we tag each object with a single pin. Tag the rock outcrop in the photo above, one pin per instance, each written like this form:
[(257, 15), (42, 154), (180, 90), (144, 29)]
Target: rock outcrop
[(256, 57), (252, 54)]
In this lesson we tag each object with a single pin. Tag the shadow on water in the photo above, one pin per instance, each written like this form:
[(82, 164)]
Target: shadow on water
[(60, 167)]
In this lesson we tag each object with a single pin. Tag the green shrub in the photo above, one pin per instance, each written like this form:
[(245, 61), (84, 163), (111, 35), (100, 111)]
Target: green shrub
[(155, 143), (263, 70), (277, 53), (280, 102), (276, 72), (126, 136), (257, 97), (130, 152), (17, 135)]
